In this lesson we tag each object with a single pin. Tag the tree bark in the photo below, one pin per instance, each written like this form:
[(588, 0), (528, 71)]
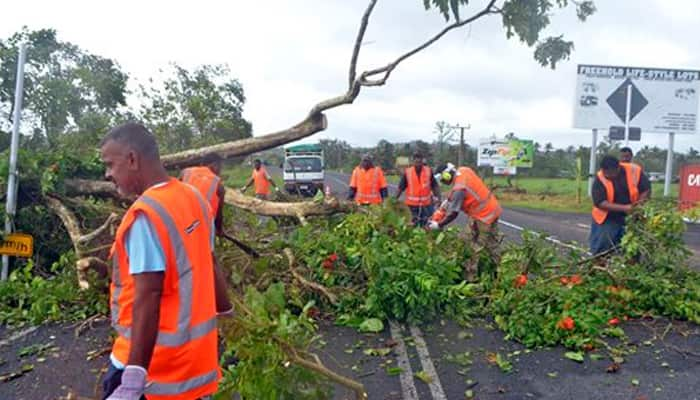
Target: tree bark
[(315, 122), (330, 205)]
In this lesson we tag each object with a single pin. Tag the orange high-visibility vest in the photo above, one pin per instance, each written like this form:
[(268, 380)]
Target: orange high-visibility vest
[(418, 191), (634, 174), (206, 182), (479, 203), (368, 183), (184, 365), (262, 185)]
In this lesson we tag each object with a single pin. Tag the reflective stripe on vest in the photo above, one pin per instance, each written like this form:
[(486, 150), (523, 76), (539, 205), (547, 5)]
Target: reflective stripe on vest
[(183, 333), (633, 174), (482, 202), (418, 192), (373, 196), (160, 388), (190, 176)]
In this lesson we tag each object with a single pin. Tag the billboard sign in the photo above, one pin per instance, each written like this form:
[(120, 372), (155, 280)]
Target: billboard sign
[(506, 153), (661, 100)]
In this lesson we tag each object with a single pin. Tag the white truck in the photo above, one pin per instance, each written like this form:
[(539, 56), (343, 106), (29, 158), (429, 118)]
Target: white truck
[(303, 171)]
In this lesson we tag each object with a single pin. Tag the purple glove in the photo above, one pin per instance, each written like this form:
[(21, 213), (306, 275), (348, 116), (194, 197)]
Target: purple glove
[(132, 386)]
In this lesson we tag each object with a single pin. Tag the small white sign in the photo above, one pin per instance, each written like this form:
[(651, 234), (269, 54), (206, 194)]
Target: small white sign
[(505, 170), (662, 100)]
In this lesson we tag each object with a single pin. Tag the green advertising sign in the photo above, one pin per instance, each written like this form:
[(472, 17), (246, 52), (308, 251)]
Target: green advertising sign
[(520, 153)]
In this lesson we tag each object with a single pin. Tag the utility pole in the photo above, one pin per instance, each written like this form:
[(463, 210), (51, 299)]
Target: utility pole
[(11, 204), (460, 151)]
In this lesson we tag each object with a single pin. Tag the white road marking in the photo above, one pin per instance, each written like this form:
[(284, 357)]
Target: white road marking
[(408, 388), (422, 349), (549, 238), (18, 335)]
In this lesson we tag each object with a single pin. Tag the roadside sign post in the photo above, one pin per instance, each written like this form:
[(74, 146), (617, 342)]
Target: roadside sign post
[(628, 106), (669, 165), (12, 183), (592, 162)]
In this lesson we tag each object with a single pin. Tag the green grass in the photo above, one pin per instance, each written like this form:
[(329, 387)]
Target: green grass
[(554, 194)]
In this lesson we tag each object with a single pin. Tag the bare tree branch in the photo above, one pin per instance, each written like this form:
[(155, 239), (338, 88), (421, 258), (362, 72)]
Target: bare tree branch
[(315, 122), (88, 237), (305, 282), (387, 69), (358, 43)]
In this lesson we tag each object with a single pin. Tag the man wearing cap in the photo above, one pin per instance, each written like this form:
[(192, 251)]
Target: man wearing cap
[(422, 190), (470, 195), (367, 184)]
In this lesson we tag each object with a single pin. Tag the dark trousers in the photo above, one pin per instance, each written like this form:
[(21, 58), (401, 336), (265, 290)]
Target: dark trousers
[(605, 236), (421, 214)]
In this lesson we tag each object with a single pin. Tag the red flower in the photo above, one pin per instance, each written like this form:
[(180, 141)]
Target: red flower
[(520, 281), (313, 312), (564, 280), (566, 323), (327, 265), (333, 257), (575, 279), (614, 321)]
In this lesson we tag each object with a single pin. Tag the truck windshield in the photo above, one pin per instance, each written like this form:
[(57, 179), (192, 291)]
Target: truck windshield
[(303, 164)]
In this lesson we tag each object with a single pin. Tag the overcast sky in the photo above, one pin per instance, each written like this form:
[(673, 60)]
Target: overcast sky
[(290, 54)]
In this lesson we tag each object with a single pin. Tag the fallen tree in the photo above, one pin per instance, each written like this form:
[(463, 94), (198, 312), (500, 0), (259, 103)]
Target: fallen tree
[(525, 20)]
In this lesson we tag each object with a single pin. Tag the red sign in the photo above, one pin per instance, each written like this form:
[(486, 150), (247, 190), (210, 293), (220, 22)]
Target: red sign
[(690, 186)]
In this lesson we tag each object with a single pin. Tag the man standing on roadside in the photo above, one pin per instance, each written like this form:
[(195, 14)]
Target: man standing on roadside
[(618, 187), (262, 181), (367, 184), (165, 291), (626, 156), (422, 190)]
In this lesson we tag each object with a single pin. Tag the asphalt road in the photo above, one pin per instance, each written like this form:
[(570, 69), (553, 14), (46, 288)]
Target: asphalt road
[(665, 368)]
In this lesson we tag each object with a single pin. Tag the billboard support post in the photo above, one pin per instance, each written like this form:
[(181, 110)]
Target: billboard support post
[(669, 165), (592, 162)]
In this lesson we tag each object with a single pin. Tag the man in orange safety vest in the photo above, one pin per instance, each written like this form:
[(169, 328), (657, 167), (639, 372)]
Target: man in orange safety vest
[(165, 291), (470, 195), (262, 181), (367, 183), (617, 188), (422, 190)]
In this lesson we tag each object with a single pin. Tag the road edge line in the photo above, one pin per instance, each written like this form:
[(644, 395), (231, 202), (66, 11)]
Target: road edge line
[(408, 388), (424, 355)]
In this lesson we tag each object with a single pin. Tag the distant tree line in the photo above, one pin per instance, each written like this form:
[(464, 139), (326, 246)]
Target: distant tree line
[(72, 97)]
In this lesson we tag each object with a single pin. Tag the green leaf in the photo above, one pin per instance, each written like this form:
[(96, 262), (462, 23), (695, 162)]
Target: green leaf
[(552, 374), (469, 394), (373, 325), (574, 355), (423, 376), (393, 371), (379, 352), (635, 382)]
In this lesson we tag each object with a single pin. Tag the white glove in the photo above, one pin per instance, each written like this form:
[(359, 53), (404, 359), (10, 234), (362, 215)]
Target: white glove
[(433, 226), (244, 188), (132, 385)]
